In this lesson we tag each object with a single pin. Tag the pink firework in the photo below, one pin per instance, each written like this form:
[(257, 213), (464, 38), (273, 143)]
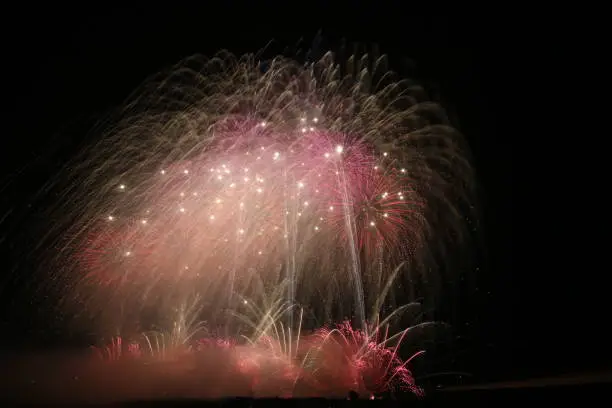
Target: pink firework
[(328, 363), (373, 363), (221, 181), (237, 206)]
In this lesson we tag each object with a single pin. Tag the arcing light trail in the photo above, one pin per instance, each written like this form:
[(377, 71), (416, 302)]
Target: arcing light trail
[(214, 175)]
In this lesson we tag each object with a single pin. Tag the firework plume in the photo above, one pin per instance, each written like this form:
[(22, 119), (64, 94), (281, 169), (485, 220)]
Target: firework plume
[(327, 174), (226, 177)]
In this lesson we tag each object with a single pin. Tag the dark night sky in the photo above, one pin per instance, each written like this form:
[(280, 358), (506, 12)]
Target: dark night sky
[(68, 66)]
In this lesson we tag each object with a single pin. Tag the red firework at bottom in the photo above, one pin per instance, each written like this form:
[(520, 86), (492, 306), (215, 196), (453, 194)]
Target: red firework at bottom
[(328, 363)]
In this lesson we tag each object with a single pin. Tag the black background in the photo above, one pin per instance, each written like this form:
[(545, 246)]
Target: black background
[(64, 68)]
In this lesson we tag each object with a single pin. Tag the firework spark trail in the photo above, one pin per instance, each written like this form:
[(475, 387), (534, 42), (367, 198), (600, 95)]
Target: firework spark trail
[(215, 172), (350, 229)]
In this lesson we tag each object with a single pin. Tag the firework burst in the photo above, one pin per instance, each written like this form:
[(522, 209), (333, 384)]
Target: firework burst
[(216, 172), (217, 178)]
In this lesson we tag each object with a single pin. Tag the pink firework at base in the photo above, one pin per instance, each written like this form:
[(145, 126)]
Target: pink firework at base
[(327, 363)]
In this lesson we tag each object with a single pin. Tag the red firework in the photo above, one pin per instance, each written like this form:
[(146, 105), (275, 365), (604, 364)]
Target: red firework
[(329, 363), (384, 209)]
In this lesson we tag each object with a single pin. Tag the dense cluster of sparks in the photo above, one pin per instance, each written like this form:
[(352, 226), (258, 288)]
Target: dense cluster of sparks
[(220, 174), (253, 203)]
